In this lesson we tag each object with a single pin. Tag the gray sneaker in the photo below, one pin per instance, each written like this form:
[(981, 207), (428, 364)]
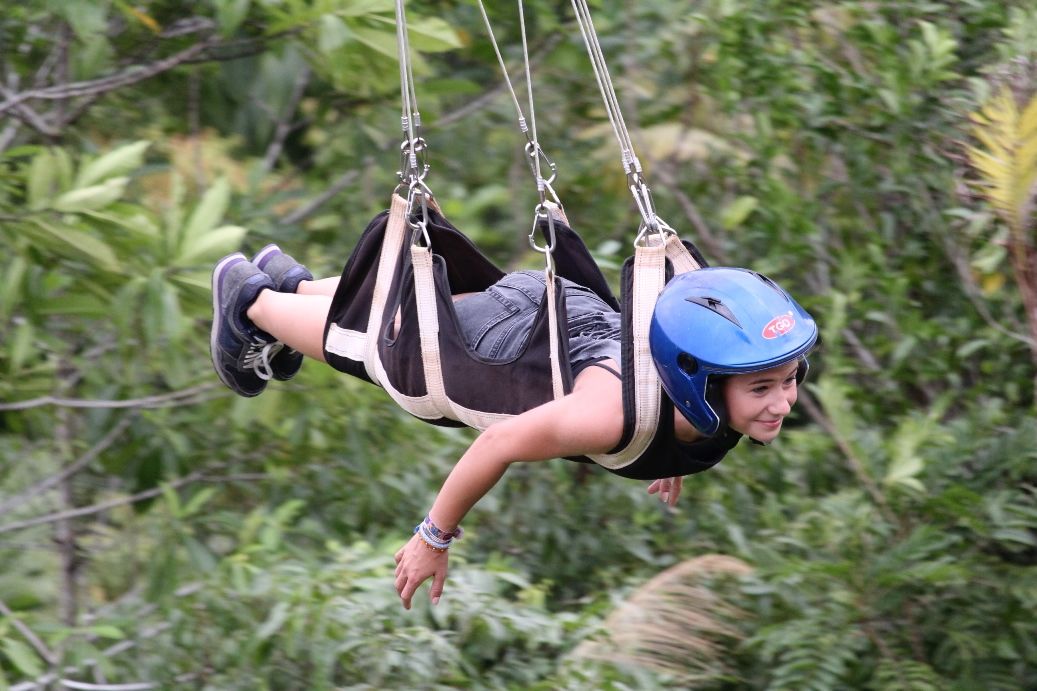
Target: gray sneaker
[(241, 351), (286, 274)]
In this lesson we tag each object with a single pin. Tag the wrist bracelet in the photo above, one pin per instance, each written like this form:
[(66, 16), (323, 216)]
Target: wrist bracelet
[(434, 537), (437, 550), (439, 533)]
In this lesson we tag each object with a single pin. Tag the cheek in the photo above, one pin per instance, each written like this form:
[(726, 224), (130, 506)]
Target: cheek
[(738, 407)]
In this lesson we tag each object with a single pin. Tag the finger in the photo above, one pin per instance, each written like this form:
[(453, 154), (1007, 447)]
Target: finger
[(399, 555), (654, 487), (675, 490), (408, 593), (437, 586), (400, 583)]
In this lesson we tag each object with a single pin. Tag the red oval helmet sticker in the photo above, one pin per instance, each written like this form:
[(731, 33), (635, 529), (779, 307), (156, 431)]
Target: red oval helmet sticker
[(779, 326)]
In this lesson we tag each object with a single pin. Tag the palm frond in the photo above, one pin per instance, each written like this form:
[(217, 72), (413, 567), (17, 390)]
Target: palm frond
[(1005, 156), (674, 624)]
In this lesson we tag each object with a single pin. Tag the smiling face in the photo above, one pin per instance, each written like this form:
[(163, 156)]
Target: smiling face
[(758, 402)]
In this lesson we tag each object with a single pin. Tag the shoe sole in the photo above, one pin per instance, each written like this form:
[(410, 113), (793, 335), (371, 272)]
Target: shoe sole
[(217, 318)]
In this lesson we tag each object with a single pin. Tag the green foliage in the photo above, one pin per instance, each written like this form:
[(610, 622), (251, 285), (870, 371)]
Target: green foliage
[(224, 543)]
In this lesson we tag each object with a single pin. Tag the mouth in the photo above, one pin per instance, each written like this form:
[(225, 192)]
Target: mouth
[(771, 424)]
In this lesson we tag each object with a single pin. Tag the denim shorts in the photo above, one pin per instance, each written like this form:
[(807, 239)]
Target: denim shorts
[(497, 322)]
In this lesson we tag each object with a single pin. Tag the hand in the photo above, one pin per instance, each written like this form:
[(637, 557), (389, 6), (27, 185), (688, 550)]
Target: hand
[(668, 488), (415, 563)]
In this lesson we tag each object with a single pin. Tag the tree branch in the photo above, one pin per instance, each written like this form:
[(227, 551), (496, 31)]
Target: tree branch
[(69, 470), (197, 476), (704, 235), (40, 647), (284, 125), (856, 466), (342, 182), (29, 116), (139, 686), (129, 76), (172, 398)]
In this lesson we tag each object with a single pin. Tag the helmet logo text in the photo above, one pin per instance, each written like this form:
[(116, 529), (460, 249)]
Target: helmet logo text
[(779, 326)]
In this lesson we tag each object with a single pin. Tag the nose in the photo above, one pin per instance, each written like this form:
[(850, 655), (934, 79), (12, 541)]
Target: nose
[(781, 403)]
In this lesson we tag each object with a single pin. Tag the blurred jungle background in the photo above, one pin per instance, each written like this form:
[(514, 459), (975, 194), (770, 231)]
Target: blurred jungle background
[(876, 157)]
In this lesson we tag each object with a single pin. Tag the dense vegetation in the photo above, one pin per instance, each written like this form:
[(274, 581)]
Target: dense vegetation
[(879, 158)]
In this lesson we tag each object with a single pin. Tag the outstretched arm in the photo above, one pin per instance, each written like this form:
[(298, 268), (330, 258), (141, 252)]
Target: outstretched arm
[(588, 420)]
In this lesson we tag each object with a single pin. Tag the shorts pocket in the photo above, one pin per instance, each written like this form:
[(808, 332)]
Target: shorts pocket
[(481, 313)]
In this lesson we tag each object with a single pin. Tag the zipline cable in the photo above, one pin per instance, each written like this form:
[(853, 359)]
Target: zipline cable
[(533, 149), (631, 165)]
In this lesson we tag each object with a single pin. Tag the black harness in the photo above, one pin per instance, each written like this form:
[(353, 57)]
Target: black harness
[(391, 270)]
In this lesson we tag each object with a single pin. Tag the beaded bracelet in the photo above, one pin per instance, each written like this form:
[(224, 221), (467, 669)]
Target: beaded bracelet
[(441, 534), (438, 550), (436, 538)]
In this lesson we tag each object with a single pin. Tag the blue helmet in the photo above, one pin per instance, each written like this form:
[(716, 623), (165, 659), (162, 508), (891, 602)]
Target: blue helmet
[(723, 321)]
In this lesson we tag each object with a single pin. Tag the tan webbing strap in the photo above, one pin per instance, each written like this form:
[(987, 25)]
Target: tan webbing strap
[(679, 256), (428, 328), (557, 382), (649, 280), (396, 231)]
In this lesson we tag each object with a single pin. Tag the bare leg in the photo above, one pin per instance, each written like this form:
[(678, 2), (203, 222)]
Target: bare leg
[(321, 286), (297, 320)]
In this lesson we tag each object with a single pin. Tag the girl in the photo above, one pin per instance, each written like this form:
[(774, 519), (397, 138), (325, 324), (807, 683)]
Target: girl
[(729, 346)]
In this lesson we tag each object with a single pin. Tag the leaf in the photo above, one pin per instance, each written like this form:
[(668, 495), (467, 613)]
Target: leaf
[(23, 657), (332, 33), (904, 468), (73, 242), (1006, 157), (115, 163), (276, 619), (207, 213), (379, 41), (360, 8), (107, 631), (432, 34), (93, 197), (213, 244), (200, 499), (735, 213), (42, 183), (11, 287), (20, 346), (230, 14)]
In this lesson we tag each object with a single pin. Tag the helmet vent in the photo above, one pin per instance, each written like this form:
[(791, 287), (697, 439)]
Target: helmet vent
[(687, 363), (717, 306), (769, 283)]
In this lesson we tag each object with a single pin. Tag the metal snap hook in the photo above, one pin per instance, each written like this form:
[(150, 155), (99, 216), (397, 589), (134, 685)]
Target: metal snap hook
[(541, 213), (533, 152)]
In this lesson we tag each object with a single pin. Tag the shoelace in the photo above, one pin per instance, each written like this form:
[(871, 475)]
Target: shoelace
[(259, 355)]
